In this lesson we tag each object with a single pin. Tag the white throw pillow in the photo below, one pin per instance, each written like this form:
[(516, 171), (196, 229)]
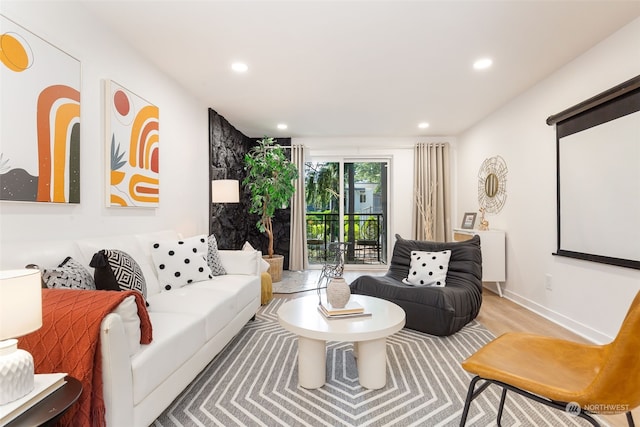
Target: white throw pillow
[(180, 262), (428, 268), (264, 265), (239, 262)]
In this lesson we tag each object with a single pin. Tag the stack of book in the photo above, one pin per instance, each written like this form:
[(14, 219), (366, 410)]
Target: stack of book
[(352, 309)]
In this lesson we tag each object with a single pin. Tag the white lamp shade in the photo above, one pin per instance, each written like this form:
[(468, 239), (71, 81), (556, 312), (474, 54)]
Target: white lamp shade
[(225, 191), (20, 302)]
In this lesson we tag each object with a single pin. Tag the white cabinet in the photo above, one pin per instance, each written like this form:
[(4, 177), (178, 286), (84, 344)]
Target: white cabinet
[(492, 243)]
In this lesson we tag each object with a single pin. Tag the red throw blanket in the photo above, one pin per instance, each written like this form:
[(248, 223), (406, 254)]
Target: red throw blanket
[(69, 341)]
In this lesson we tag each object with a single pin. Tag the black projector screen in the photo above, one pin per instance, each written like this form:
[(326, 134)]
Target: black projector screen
[(598, 177)]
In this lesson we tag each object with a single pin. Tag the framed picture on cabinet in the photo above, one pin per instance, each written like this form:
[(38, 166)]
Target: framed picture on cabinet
[(469, 220)]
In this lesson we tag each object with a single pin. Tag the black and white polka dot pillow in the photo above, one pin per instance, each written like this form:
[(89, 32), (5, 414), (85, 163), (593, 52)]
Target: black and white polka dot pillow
[(179, 263), (428, 268)]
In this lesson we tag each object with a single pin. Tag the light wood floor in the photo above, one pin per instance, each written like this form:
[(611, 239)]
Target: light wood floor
[(501, 315)]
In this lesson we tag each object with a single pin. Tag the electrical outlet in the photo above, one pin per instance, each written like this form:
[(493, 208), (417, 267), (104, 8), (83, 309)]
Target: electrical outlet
[(548, 284)]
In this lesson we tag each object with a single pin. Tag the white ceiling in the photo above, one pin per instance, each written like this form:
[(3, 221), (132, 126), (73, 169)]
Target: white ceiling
[(360, 68)]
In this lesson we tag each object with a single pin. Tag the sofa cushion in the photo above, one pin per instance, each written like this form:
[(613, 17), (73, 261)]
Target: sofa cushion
[(116, 270), (242, 288), (215, 308), (428, 268), (176, 338), (264, 265), (213, 257), (180, 262), (240, 262), (68, 274)]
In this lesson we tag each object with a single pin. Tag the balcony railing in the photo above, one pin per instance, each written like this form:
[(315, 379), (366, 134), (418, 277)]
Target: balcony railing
[(364, 232)]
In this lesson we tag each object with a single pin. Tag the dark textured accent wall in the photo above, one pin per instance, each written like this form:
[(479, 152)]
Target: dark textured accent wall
[(231, 223)]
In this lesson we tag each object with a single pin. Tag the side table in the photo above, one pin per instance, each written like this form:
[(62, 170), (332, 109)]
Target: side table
[(51, 408)]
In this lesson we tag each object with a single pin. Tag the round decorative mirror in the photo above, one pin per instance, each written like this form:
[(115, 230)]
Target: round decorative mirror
[(492, 184)]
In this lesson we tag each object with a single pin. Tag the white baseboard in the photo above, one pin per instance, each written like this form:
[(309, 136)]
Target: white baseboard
[(578, 328)]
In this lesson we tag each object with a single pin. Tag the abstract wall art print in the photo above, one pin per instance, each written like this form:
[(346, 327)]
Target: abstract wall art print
[(40, 116), (132, 142)]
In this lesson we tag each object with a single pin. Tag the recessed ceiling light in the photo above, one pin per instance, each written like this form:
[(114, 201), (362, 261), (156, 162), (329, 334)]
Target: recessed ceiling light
[(282, 126), (423, 125), (482, 64), (239, 67)]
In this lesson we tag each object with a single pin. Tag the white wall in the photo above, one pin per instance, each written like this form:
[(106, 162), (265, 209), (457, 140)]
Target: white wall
[(183, 136), (587, 297)]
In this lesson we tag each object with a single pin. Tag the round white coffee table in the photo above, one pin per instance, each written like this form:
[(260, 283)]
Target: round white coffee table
[(368, 334)]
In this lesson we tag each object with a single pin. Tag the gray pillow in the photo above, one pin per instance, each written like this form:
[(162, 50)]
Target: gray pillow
[(69, 274), (213, 257)]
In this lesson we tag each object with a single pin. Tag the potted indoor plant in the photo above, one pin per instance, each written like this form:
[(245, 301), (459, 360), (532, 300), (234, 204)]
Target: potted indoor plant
[(270, 181)]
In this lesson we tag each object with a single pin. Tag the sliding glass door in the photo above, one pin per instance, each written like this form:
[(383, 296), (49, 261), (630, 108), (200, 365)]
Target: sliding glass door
[(347, 202), (322, 196)]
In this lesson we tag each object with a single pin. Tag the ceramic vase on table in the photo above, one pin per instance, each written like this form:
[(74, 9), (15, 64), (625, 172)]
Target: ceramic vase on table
[(338, 292)]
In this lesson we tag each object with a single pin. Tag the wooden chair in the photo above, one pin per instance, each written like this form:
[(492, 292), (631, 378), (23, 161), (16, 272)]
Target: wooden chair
[(578, 378)]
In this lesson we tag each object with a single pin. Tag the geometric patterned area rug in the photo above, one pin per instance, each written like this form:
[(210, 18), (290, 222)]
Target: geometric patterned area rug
[(254, 382)]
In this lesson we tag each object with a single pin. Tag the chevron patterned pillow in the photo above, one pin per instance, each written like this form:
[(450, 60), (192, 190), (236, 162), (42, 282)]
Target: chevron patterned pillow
[(117, 271)]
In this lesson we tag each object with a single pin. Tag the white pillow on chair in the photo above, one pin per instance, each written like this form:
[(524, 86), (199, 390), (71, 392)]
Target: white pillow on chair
[(428, 268)]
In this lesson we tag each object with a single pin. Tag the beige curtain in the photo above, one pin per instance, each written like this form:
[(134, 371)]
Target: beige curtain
[(432, 193), (298, 232)]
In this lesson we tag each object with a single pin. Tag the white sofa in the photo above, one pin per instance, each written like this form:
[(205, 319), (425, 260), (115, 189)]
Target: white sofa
[(190, 324)]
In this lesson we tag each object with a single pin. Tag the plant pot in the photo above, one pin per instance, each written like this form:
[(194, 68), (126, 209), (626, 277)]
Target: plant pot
[(275, 267)]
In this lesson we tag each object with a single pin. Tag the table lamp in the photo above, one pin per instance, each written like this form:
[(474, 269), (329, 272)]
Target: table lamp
[(20, 314), (225, 191)]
